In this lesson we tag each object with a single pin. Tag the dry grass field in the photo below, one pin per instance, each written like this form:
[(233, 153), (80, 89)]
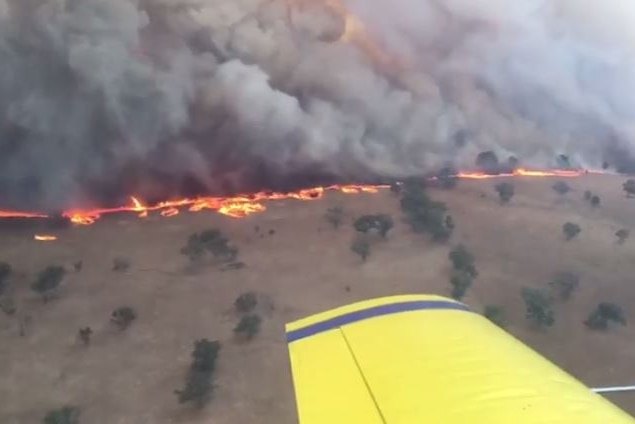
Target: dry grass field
[(129, 377)]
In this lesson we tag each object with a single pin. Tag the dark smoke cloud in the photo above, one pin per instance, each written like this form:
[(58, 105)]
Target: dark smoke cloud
[(104, 98)]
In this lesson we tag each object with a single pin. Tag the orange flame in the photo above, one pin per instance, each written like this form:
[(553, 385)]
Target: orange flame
[(44, 237), (247, 204), (522, 172)]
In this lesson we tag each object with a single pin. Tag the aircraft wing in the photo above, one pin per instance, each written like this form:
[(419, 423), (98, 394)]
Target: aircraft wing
[(428, 359)]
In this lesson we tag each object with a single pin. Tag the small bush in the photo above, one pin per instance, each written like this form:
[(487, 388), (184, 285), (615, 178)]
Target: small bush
[(588, 195), (622, 235), (124, 316), (361, 247), (246, 302), (538, 307), (334, 216), (505, 192), (381, 223), (564, 284), (210, 241), (5, 273), (571, 230), (561, 188), (595, 201), (495, 314), (65, 415), (120, 264), (48, 280), (462, 260), (604, 314), (461, 281), (84, 335), (629, 187), (248, 326)]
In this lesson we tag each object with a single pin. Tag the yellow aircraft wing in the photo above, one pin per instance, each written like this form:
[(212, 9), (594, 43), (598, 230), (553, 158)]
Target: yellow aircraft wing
[(429, 360)]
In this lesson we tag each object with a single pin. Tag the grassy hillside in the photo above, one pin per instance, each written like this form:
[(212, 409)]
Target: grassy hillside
[(303, 267)]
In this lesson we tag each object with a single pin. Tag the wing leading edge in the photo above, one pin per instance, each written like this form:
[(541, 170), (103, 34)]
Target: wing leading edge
[(415, 359)]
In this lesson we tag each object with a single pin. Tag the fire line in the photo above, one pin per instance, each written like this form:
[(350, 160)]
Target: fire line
[(243, 205)]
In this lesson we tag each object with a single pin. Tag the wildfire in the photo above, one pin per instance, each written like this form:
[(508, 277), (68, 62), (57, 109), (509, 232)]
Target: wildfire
[(245, 205), (522, 172), (44, 237)]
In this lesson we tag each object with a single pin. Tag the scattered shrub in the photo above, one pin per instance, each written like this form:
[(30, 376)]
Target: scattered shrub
[(246, 302), (538, 307), (495, 314), (65, 415), (461, 281), (622, 235), (571, 230), (629, 187), (123, 316), (361, 247), (199, 383), (564, 284), (505, 192), (462, 260), (334, 216), (84, 335), (120, 264), (48, 280), (381, 223), (561, 188), (425, 215), (248, 326), (604, 314)]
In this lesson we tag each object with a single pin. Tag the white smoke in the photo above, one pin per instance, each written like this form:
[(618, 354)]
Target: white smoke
[(143, 95)]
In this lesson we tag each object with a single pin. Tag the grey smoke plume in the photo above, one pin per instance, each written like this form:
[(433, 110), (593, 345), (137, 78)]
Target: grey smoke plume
[(104, 98)]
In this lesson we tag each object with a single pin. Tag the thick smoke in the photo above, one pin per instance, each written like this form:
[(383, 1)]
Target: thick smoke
[(104, 98)]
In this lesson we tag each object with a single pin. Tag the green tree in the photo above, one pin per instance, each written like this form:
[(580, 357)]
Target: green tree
[(48, 280), (248, 326), (425, 215), (561, 188), (361, 247), (495, 314), (571, 230), (334, 216), (538, 307), (604, 314), (629, 187), (461, 281), (199, 383), (123, 316), (246, 302), (505, 192), (622, 235), (564, 284), (463, 260), (65, 415), (487, 161)]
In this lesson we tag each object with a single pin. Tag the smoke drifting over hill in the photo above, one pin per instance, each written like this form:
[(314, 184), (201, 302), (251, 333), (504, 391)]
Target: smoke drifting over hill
[(104, 98)]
